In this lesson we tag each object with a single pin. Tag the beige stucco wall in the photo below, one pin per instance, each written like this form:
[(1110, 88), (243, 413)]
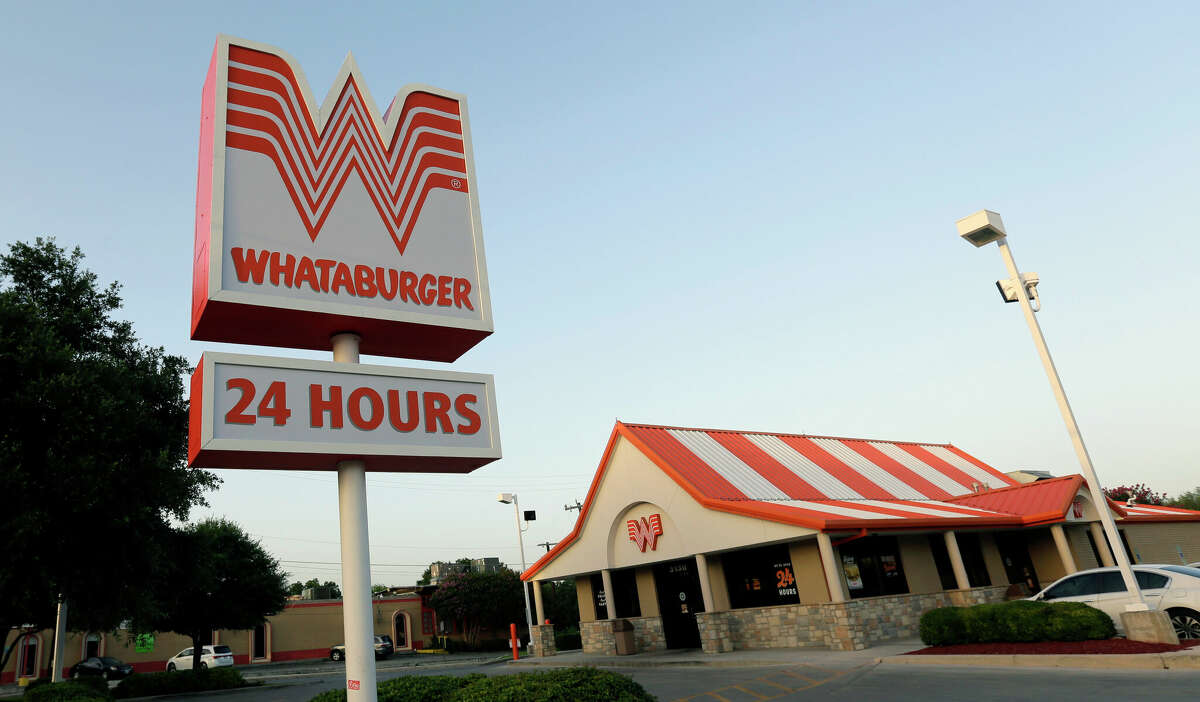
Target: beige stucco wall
[(992, 559), (919, 568), (716, 581), (810, 575), (583, 595), (1160, 542), (647, 592), (633, 487), (1044, 554)]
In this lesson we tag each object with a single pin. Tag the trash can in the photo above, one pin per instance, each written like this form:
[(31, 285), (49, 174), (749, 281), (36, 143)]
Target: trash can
[(623, 633)]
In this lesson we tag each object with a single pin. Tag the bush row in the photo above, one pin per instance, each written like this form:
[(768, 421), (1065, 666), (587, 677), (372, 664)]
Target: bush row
[(81, 690), (1017, 621), (143, 684), (573, 684)]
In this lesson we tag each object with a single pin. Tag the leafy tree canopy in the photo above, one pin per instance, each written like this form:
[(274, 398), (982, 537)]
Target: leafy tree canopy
[(219, 578), (1141, 494), (298, 588), (480, 600), (93, 437), (1187, 500)]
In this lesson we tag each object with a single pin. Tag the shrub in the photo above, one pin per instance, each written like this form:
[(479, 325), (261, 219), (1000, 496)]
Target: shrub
[(1075, 621), (568, 639), (1017, 621), (182, 681), (574, 684), (943, 627), (83, 690)]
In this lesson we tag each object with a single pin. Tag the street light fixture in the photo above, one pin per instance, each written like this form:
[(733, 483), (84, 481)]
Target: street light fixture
[(510, 498), (983, 228)]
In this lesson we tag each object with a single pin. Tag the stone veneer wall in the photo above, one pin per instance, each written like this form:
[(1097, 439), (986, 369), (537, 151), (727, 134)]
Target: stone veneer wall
[(599, 639), (843, 626), (648, 634), (543, 640)]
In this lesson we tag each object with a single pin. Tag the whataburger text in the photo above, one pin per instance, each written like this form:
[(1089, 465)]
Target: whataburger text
[(325, 275)]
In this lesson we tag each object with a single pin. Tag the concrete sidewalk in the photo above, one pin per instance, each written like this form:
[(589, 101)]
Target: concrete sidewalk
[(736, 659)]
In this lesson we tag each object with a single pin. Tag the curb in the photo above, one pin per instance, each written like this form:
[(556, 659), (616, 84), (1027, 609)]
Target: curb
[(1110, 661)]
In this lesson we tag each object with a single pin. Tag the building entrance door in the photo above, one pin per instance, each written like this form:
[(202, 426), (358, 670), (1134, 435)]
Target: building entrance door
[(1018, 566), (679, 600)]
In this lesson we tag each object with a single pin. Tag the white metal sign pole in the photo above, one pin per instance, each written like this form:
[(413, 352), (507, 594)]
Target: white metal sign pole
[(1085, 459), (356, 560)]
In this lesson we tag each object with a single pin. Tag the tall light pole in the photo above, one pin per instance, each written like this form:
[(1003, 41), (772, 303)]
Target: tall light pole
[(507, 498), (983, 228)]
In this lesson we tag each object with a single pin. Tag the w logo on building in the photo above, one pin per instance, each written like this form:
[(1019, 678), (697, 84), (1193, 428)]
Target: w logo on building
[(645, 531)]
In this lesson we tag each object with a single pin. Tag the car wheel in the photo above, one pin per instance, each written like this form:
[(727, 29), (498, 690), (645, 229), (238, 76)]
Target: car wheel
[(104, 675), (337, 655), (1186, 623), (203, 665), (170, 667)]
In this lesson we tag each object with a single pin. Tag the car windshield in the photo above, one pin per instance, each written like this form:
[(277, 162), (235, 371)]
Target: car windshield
[(221, 649), (1184, 570)]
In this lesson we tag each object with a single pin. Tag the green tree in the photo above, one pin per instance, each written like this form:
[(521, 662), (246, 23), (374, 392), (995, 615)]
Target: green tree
[(561, 602), (1187, 500), (479, 600), (219, 578), (93, 440)]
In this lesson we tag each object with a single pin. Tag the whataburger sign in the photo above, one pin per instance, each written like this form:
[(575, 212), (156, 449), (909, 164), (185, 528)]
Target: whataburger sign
[(311, 220), (316, 221)]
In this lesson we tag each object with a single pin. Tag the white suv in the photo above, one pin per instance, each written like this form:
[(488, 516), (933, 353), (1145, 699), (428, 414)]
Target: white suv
[(217, 656), (1173, 588)]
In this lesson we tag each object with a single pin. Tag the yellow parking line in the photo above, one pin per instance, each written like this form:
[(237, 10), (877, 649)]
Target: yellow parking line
[(739, 688)]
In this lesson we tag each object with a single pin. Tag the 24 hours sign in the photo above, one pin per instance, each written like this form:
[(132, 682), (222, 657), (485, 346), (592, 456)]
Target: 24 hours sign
[(258, 412)]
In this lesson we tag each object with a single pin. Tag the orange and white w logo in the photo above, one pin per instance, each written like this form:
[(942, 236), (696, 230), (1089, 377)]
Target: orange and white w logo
[(645, 531)]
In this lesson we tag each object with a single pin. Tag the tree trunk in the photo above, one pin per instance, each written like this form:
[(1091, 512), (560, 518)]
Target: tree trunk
[(197, 651)]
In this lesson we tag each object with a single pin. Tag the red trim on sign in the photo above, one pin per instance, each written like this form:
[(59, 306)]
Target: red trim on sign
[(204, 191), (238, 323), (196, 412), (897, 469), (761, 462), (271, 460)]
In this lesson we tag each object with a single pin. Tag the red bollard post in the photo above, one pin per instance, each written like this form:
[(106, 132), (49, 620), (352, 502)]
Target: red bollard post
[(512, 633)]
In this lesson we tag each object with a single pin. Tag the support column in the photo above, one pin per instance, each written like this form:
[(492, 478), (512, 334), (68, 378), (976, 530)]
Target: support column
[(356, 560), (537, 602), (705, 585), (829, 563), (60, 637), (1064, 548), (956, 562), (1106, 558), (610, 602)]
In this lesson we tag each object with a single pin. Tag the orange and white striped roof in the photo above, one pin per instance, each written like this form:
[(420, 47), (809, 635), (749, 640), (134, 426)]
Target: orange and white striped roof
[(838, 484)]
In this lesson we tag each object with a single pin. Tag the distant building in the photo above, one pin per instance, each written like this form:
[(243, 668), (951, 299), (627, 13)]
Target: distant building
[(1026, 475), (440, 570)]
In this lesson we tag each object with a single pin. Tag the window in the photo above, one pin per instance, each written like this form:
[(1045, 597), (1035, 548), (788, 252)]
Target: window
[(1078, 586), (599, 598), (1111, 582), (625, 586), (1150, 581), (1185, 570), (427, 621), (91, 646), (760, 577), (29, 657), (872, 567)]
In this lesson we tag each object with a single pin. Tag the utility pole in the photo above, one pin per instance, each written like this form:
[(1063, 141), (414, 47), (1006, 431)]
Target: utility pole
[(576, 507), (547, 545)]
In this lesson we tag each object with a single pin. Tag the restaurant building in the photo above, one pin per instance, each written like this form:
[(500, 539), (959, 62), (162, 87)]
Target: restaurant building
[(729, 540)]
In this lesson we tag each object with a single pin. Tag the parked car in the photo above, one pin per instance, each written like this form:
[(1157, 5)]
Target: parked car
[(1173, 588), (217, 656), (383, 649), (103, 666)]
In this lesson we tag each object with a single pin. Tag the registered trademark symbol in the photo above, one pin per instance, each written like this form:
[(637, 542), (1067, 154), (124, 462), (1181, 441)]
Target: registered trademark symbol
[(456, 183)]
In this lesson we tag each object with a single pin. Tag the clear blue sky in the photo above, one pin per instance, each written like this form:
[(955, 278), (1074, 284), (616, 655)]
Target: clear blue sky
[(726, 215)]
